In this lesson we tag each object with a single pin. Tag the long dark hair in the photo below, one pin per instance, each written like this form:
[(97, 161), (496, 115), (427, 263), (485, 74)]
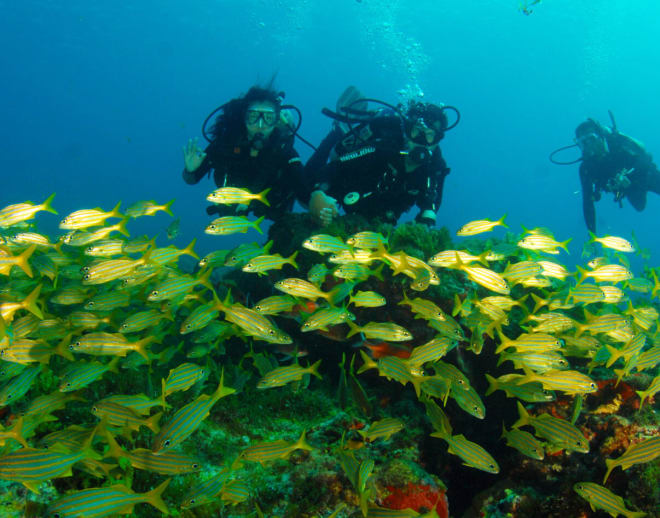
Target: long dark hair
[(230, 124)]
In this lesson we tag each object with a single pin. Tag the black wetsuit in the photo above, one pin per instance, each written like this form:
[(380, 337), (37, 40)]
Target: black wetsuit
[(374, 168), (277, 166), (623, 153)]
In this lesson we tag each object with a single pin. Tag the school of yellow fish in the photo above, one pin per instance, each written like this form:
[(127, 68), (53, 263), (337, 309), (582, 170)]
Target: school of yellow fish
[(95, 292)]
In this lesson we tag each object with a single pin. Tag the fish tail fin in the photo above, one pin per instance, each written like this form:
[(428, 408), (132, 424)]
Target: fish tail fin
[(292, 259), (501, 222), (16, 432), (46, 205), (656, 284), (222, 391), (581, 328), (505, 342), (167, 207), (592, 238), (314, 369), (458, 305), (62, 349), (620, 373), (164, 403), (152, 422), (30, 303), (88, 446), (492, 384), (22, 260), (114, 450), (204, 278), (416, 382), (262, 197), (368, 363), (189, 249), (112, 366), (563, 244), (115, 211), (610, 463), (643, 394), (121, 227), (378, 272), (256, 224), (334, 295), (482, 257), (524, 416), (141, 347), (354, 328), (302, 444), (583, 275), (615, 354), (154, 497), (538, 303)]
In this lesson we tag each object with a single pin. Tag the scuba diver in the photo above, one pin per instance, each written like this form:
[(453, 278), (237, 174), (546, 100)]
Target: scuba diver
[(611, 162), (382, 162), (251, 146)]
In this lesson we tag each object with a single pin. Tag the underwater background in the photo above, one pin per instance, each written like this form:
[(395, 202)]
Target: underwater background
[(98, 99)]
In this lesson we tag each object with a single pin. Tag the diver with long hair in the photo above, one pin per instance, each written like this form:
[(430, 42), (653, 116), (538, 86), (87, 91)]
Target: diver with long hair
[(251, 146), (611, 162), (382, 161)]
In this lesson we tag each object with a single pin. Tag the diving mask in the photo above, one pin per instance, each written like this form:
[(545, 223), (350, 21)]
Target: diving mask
[(269, 117)]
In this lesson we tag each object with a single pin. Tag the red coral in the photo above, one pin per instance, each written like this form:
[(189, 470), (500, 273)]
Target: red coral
[(420, 497)]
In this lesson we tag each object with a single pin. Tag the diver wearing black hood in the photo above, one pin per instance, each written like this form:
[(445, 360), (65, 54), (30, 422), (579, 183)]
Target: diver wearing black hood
[(251, 146), (613, 162), (382, 164)]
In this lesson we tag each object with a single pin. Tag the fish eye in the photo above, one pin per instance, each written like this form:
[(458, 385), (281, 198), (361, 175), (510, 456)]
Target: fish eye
[(86, 277), (593, 386), (188, 326), (195, 465), (56, 515), (91, 303), (95, 409), (71, 347), (68, 384), (191, 501), (166, 443), (154, 293)]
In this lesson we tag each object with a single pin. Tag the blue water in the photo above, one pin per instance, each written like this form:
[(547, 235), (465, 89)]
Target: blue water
[(98, 98)]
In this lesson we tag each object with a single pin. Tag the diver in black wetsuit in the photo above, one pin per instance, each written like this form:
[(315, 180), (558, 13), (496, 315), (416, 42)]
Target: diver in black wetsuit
[(251, 146), (383, 164), (613, 162)]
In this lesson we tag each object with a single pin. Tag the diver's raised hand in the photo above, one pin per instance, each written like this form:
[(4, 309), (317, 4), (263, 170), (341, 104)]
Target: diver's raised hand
[(322, 207), (193, 156)]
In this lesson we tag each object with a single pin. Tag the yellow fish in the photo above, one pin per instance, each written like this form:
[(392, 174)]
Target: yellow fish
[(236, 195), (13, 214), (86, 218), (479, 226), (615, 243)]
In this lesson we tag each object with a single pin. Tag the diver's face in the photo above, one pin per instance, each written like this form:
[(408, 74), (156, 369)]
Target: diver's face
[(591, 145), (260, 119)]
